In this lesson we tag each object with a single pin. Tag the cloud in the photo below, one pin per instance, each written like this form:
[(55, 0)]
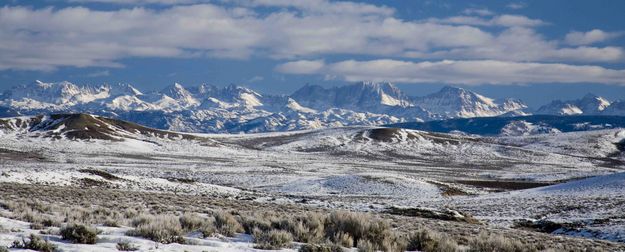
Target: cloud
[(48, 38), (589, 37), (98, 74), (256, 78), (471, 72), (516, 6), (322, 6), (141, 2), (301, 67), (480, 12), (501, 20), (524, 44)]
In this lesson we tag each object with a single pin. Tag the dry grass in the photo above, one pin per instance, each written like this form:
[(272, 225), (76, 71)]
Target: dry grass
[(366, 246), (78, 233), (320, 248), (126, 246), (226, 224), (364, 227), (429, 241), (273, 239), (159, 228), (144, 211), (34, 242), (486, 242), (308, 228)]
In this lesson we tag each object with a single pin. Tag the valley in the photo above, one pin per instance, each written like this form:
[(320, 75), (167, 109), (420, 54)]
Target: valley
[(573, 180)]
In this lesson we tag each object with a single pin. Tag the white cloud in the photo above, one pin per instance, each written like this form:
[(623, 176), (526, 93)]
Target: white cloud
[(524, 44), (256, 78), (501, 20), (323, 6), (48, 38), (589, 37), (472, 72), (98, 74), (516, 6), (301, 67), (477, 11), (142, 2)]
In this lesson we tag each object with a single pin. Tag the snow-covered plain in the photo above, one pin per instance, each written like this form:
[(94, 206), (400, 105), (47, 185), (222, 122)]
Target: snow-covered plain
[(360, 168)]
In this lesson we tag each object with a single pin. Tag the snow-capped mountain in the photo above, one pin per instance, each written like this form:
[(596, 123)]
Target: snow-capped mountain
[(453, 102), (615, 108), (52, 96), (208, 108), (180, 95), (363, 96), (524, 128), (590, 104)]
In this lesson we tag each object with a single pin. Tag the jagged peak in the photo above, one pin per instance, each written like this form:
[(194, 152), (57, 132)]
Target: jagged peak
[(374, 83), (593, 97), (123, 89), (174, 85), (590, 95), (240, 89), (453, 91), (449, 88)]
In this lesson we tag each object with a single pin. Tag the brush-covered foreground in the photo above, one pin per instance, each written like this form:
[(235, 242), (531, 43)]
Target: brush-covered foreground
[(544, 185), (95, 219)]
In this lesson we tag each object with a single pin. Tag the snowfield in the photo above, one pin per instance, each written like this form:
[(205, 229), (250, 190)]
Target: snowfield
[(496, 179)]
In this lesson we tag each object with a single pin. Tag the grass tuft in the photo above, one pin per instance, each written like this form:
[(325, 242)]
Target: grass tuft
[(34, 242), (78, 233), (273, 239)]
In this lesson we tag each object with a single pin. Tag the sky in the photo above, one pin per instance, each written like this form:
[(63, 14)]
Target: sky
[(533, 50)]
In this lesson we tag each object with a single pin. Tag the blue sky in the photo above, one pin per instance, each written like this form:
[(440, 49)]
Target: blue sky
[(533, 50)]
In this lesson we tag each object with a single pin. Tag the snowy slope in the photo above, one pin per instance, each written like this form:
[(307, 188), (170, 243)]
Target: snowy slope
[(590, 104), (452, 102)]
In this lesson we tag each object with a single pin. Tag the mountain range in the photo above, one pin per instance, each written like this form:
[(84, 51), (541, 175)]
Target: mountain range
[(233, 109)]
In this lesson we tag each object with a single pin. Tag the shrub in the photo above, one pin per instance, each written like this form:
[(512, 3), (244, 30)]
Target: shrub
[(191, 222), (226, 224), (249, 223), (126, 246), (426, 240), (78, 233), (393, 242), (207, 230), (361, 226), (141, 220), (485, 242), (274, 239), (4, 249), (306, 228), (110, 222), (320, 248), (34, 243), (343, 239), (160, 228), (365, 246)]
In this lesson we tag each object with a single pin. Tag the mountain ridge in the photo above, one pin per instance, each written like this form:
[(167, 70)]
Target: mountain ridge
[(232, 109)]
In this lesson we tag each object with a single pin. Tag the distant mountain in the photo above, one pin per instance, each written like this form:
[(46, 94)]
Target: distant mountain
[(364, 96), (453, 102), (233, 109), (82, 126), (616, 108), (590, 104), (517, 126)]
